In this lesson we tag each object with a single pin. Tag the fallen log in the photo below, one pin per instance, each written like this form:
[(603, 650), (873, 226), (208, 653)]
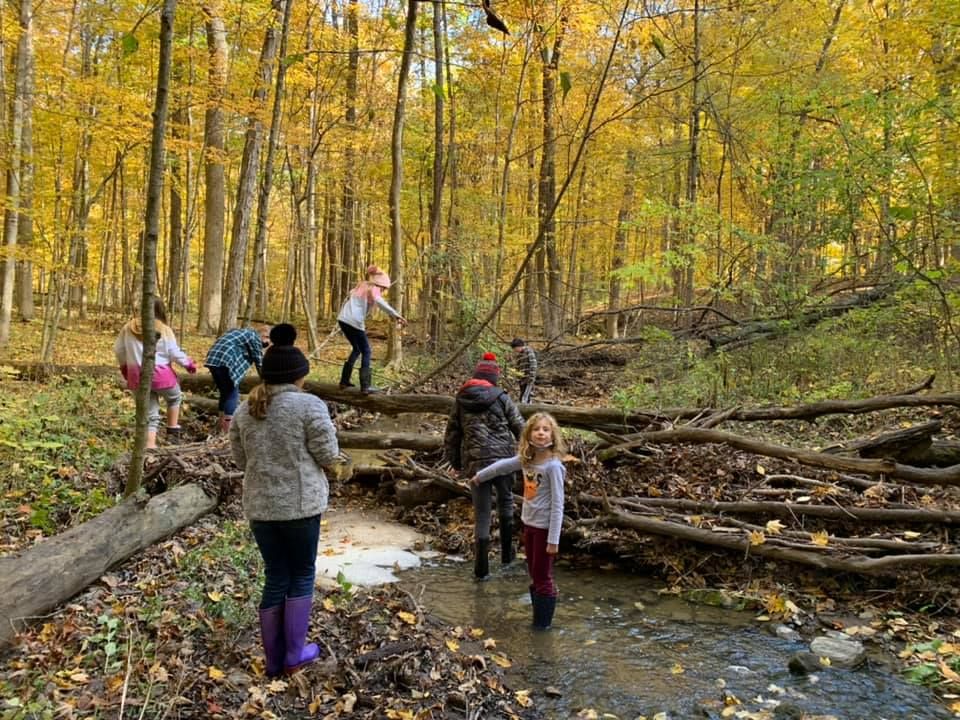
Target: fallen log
[(597, 419), (748, 332), (875, 467), (741, 543), (54, 570), (891, 443), (783, 509)]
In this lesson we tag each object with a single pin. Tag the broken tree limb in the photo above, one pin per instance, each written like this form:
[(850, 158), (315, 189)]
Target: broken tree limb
[(887, 468), (789, 510), (54, 570), (891, 443), (748, 332), (741, 543)]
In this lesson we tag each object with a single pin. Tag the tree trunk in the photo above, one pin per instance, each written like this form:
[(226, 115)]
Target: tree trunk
[(620, 244), (434, 260), (348, 227), (548, 263), (151, 232), (24, 282), (249, 167), (395, 346), (214, 139), (54, 570), (19, 107), (266, 183)]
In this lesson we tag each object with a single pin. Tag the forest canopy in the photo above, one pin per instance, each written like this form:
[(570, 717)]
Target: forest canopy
[(750, 153)]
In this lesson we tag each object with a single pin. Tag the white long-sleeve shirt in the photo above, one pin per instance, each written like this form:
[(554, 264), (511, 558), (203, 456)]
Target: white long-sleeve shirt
[(355, 310), (542, 492)]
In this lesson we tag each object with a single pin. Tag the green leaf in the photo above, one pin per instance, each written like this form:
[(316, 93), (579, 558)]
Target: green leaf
[(658, 46), (292, 59), (129, 44), (437, 90), (922, 673), (391, 20), (565, 83)]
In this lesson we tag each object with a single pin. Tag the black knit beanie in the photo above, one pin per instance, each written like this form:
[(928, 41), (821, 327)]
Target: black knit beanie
[(283, 362)]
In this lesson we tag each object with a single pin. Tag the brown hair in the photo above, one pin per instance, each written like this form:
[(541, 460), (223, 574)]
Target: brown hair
[(258, 401), (159, 310), (527, 450)]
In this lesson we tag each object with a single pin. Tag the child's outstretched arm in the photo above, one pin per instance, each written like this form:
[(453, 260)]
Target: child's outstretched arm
[(500, 467)]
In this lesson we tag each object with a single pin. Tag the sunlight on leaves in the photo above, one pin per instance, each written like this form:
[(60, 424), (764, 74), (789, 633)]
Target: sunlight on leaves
[(820, 538), (523, 698)]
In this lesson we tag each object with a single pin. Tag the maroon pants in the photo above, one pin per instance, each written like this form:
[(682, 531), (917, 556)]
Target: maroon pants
[(539, 563)]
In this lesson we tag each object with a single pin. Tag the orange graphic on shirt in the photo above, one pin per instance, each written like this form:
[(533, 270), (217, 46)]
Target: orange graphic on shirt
[(531, 481)]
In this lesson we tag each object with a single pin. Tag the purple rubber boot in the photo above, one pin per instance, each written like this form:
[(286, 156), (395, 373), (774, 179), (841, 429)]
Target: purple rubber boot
[(296, 622)]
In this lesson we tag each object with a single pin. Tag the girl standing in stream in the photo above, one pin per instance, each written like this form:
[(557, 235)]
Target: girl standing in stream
[(539, 459)]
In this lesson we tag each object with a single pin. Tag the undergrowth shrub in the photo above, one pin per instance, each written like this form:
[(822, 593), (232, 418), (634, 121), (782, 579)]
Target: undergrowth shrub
[(881, 349)]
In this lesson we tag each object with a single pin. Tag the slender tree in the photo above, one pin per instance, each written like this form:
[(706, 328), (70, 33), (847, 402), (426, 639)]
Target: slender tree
[(150, 236), (20, 106), (395, 348)]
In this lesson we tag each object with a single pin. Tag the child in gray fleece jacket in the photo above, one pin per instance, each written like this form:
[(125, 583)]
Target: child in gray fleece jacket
[(283, 437)]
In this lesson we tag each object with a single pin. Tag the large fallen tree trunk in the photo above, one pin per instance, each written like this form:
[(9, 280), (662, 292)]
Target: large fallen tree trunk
[(601, 418), (742, 543), (873, 467), (54, 570), (786, 509)]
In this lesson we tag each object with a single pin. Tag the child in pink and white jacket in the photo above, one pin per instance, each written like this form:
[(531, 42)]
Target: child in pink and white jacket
[(128, 350)]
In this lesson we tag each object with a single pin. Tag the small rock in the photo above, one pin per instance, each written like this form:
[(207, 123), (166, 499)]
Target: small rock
[(803, 663), (788, 711), (785, 632), (551, 691), (842, 651)]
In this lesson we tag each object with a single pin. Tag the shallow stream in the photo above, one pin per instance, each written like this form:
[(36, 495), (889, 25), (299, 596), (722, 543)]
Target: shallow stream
[(619, 647)]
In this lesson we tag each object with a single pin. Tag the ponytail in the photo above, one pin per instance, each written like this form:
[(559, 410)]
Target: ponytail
[(258, 401)]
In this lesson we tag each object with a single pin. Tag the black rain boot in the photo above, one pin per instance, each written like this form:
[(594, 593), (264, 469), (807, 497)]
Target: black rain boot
[(174, 435), (481, 559), (345, 374), (507, 554), (543, 608), (366, 378)]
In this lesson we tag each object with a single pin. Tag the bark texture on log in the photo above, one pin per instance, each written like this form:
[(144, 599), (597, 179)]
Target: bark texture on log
[(54, 570), (943, 476), (867, 566)]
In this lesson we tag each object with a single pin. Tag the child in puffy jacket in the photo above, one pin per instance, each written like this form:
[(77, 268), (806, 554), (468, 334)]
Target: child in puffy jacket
[(128, 349)]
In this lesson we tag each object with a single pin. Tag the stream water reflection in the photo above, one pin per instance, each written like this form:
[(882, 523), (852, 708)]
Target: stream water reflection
[(619, 648)]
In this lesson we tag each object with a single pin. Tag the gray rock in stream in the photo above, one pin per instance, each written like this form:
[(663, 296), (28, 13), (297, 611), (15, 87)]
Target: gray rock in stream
[(842, 651), (785, 632)]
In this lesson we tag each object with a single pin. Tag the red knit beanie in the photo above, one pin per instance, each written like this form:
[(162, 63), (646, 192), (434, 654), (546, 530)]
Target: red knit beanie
[(487, 369)]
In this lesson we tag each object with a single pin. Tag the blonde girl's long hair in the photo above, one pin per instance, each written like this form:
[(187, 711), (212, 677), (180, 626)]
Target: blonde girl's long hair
[(258, 401), (527, 450)]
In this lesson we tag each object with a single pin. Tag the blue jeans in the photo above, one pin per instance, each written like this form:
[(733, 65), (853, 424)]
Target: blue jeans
[(229, 393), (360, 345), (289, 550)]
